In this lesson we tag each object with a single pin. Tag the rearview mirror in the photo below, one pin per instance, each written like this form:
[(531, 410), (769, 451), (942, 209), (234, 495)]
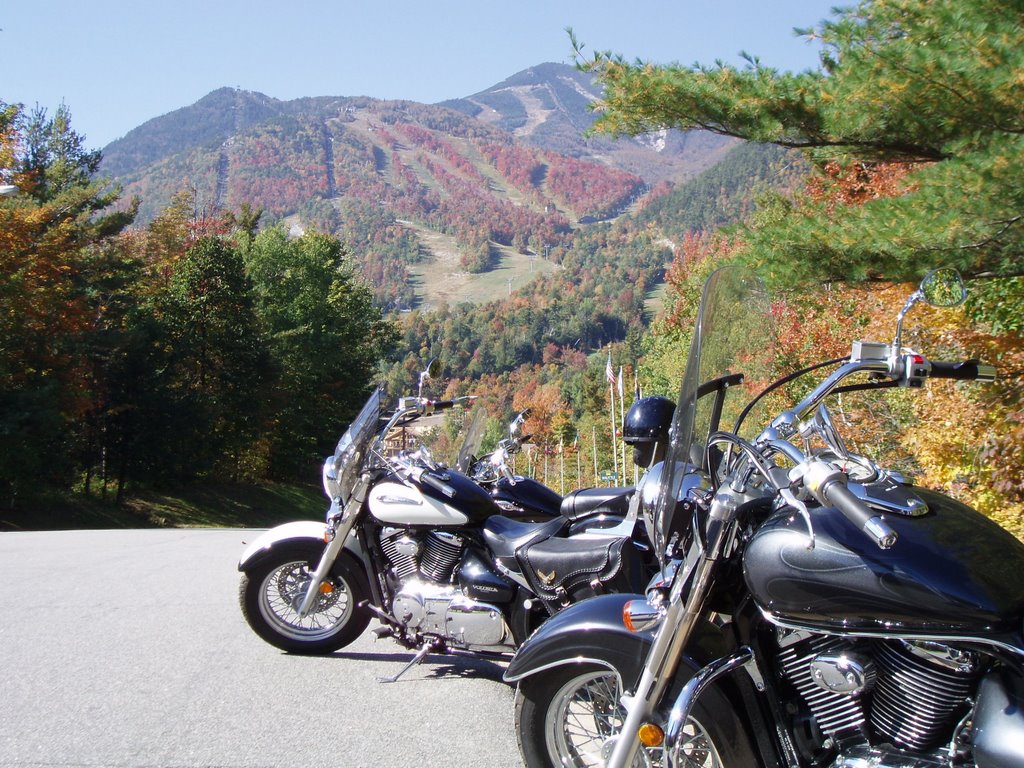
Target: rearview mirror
[(943, 288)]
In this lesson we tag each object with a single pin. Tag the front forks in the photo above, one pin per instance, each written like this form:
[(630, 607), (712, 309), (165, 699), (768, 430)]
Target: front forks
[(337, 534), (684, 611)]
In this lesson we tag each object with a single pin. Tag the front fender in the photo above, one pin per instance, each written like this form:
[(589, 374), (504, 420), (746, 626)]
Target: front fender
[(298, 532), (589, 631), (592, 631)]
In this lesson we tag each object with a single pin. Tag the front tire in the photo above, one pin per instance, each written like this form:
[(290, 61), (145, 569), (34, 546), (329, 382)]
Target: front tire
[(568, 715), (271, 591)]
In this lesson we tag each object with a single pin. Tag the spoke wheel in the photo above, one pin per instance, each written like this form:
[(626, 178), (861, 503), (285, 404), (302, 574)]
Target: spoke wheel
[(584, 718), (571, 716), (271, 594)]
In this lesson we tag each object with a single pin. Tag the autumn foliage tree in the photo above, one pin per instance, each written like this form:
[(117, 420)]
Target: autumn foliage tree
[(915, 135), (54, 237)]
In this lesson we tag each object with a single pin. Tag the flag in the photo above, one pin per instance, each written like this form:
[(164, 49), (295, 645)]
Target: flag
[(620, 383), (608, 372)]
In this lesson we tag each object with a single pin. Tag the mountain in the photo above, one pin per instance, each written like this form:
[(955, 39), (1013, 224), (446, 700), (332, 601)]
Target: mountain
[(434, 202), (549, 106)]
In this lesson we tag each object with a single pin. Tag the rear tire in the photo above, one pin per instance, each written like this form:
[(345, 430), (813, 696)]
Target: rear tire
[(565, 717), (271, 591)]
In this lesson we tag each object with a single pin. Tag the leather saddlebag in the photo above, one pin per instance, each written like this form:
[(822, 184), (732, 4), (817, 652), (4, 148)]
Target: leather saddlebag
[(563, 571)]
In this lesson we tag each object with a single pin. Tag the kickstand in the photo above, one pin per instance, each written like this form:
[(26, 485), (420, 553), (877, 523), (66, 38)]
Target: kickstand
[(420, 655)]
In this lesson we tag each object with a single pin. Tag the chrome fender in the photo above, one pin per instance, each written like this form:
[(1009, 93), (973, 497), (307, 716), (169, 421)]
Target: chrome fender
[(297, 532), (591, 632)]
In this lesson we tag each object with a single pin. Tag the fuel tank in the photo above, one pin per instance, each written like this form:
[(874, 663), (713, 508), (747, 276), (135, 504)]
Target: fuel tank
[(952, 571), (399, 504), (526, 499)]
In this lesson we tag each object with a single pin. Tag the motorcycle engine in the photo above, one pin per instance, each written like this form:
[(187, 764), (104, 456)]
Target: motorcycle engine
[(431, 556), (428, 603), (891, 703)]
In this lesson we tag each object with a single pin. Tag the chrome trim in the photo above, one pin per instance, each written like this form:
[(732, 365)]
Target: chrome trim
[(943, 654), (694, 687), (565, 662), (890, 496), (892, 633), (400, 500)]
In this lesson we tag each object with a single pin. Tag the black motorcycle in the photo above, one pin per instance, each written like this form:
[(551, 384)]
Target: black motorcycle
[(427, 551), (813, 608), (524, 498)]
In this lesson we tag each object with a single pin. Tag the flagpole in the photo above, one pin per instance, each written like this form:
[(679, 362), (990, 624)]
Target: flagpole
[(636, 396), (561, 465), (622, 421), (579, 462), (610, 375)]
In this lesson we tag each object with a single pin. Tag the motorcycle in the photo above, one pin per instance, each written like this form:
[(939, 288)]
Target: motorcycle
[(425, 550), (813, 608), (525, 498)]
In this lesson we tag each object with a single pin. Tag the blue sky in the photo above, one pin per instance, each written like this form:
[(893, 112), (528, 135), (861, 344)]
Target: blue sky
[(118, 63)]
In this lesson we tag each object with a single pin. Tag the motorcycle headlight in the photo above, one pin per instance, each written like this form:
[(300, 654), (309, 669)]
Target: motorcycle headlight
[(332, 486), (676, 520)]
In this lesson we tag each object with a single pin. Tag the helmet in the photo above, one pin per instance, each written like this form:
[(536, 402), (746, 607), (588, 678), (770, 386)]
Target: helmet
[(646, 428), (647, 420)]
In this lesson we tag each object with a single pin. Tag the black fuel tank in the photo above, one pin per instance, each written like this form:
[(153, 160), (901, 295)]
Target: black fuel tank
[(536, 500), (469, 499), (952, 570)]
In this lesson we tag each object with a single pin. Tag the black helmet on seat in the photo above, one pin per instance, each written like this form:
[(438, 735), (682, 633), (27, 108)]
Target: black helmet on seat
[(646, 428)]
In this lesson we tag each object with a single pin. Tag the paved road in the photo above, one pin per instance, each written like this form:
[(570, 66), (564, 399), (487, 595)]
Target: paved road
[(126, 649)]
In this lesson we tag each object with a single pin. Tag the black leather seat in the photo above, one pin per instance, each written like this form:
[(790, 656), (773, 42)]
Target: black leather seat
[(504, 535), (588, 502)]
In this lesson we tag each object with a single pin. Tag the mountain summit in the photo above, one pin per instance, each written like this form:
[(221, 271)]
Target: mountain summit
[(550, 106)]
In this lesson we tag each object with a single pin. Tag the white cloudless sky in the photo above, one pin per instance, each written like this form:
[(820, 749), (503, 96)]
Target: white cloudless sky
[(118, 63)]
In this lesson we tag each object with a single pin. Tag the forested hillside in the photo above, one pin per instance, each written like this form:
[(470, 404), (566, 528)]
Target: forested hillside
[(213, 343), (223, 313)]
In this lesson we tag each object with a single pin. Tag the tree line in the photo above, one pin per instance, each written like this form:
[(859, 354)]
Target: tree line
[(195, 347)]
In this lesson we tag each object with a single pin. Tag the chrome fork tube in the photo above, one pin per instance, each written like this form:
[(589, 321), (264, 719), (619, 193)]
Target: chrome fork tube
[(661, 663), (349, 517), (663, 658)]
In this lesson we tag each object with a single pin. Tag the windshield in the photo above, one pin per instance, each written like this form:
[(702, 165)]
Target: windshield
[(348, 456), (474, 436), (732, 335)]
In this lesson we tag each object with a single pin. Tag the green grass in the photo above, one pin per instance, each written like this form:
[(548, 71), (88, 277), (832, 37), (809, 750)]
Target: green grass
[(206, 505)]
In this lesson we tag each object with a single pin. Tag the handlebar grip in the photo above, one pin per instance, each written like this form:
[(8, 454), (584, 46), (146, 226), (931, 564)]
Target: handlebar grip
[(861, 515), (437, 484), (967, 370), (829, 486)]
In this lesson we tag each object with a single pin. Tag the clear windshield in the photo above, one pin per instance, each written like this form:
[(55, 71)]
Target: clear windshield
[(348, 456), (733, 334), (474, 435)]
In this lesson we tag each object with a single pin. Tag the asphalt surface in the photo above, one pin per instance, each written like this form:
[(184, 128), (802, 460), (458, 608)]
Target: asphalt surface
[(126, 649)]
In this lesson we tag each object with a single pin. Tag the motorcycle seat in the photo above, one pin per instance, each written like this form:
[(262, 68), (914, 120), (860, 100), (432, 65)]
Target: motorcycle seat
[(504, 535), (588, 502)]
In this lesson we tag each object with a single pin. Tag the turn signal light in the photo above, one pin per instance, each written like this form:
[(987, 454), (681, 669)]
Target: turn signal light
[(639, 615), (326, 588), (651, 735)]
